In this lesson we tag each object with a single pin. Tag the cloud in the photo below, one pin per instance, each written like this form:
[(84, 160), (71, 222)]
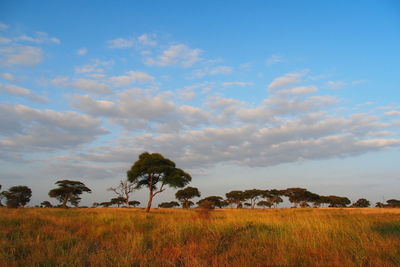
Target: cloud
[(3, 26), (236, 84), (218, 70), (87, 85), (392, 113), (275, 59), (21, 92), (176, 55), (147, 40), (334, 85), (96, 66), (120, 43), (287, 79), (131, 77), (39, 38), (34, 130), (8, 77), (300, 90), (21, 55), (82, 51), (4, 40)]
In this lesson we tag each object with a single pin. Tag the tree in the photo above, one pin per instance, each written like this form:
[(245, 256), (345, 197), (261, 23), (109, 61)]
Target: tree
[(17, 196), (150, 170), (185, 194), (235, 197), (265, 203), (123, 190), (134, 203), (361, 203), (171, 204), (118, 201), (105, 204), (46, 204), (68, 191), (206, 205), (379, 205), (393, 203), (338, 202), (215, 200), (253, 195)]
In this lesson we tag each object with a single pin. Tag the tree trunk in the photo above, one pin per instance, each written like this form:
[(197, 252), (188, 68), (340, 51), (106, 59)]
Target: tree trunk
[(150, 200)]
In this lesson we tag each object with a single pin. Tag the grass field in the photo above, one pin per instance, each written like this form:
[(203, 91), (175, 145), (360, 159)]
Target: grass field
[(130, 237)]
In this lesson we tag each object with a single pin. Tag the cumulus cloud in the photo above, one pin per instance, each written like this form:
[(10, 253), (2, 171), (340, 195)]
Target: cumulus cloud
[(120, 43), (21, 92), (300, 90), (34, 130), (176, 55), (287, 79), (392, 113), (236, 84), (82, 51), (334, 85), (39, 38), (275, 59), (3, 26), (217, 70), (8, 77), (96, 66), (131, 77), (87, 85), (21, 55), (147, 40)]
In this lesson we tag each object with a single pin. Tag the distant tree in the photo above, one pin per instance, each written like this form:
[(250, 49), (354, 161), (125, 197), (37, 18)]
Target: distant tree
[(118, 201), (215, 200), (361, 203), (134, 203), (17, 196), (379, 205), (393, 203), (68, 191), (235, 197), (265, 203), (273, 197), (46, 204), (123, 190), (105, 204), (253, 195), (186, 194), (247, 204), (338, 202), (150, 170), (95, 204), (171, 204), (301, 196), (206, 205)]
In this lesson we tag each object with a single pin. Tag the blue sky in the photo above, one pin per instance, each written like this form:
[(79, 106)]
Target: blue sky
[(266, 94)]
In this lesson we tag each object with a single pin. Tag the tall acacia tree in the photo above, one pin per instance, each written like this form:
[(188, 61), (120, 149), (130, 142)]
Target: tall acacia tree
[(68, 191), (156, 172)]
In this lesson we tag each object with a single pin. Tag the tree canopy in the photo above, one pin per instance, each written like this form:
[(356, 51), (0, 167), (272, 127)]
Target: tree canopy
[(171, 204), (68, 191), (185, 194), (17, 196), (156, 172)]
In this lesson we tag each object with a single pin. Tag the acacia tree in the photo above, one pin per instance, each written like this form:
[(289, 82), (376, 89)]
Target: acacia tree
[(46, 204), (253, 195), (123, 190), (68, 191), (171, 204), (235, 197), (134, 203), (215, 200), (361, 203), (265, 203), (156, 172), (186, 194), (17, 196)]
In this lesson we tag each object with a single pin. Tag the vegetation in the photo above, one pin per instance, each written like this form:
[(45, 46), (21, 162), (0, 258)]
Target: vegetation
[(186, 194), (230, 237), (171, 204), (156, 172), (69, 191), (17, 196), (123, 191)]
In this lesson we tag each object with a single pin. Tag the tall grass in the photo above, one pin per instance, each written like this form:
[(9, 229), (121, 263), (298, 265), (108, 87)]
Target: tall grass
[(130, 237)]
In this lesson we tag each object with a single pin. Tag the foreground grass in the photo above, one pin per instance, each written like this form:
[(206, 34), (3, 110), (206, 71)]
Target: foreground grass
[(129, 237)]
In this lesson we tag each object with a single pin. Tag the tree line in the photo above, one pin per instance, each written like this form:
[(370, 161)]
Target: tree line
[(156, 173)]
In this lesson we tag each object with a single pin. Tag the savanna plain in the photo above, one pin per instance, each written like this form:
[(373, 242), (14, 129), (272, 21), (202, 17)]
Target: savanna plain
[(178, 237)]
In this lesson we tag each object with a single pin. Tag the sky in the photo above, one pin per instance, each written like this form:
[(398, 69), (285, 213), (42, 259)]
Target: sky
[(240, 94)]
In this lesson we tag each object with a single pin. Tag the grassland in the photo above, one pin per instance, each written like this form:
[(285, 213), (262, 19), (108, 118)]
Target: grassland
[(130, 237)]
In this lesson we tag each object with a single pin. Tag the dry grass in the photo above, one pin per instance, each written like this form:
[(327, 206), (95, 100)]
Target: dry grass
[(129, 237)]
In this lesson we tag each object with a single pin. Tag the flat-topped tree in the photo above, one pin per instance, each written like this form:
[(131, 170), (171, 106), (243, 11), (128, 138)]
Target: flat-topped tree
[(186, 194), (156, 172), (69, 191)]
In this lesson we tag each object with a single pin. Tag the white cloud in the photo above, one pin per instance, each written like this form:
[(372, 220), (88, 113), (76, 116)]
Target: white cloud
[(131, 77), (21, 55), (218, 70), (4, 40), (146, 39), (275, 59), (334, 85), (176, 55), (121, 43), (96, 66), (82, 51), (21, 92), (300, 90), (8, 77), (87, 85), (40, 38), (287, 79), (236, 84), (392, 113), (3, 26)]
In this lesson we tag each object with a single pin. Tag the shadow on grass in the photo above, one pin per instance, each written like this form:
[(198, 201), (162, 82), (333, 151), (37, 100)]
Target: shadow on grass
[(387, 229)]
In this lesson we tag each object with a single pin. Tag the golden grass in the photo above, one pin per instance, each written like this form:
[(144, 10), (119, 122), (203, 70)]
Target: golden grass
[(130, 237)]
